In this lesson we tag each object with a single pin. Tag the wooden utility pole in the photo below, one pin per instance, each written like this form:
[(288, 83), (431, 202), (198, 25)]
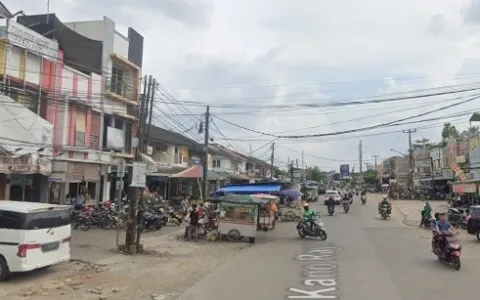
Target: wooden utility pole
[(205, 158), (132, 238), (145, 138)]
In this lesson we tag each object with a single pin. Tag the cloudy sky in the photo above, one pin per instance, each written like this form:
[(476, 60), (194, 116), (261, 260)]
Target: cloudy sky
[(255, 62)]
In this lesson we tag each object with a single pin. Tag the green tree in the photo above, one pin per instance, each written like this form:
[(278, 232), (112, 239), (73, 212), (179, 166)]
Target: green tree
[(370, 177), (279, 172), (449, 131), (317, 175), (422, 143)]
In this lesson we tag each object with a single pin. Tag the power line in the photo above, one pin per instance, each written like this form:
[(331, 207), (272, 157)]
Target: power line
[(355, 101), (312, 84), (351, 130)]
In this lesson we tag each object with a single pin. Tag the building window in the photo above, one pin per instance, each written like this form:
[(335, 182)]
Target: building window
[(216, 163), (80, 126), (117, 81), (177, 156), (79, 138)]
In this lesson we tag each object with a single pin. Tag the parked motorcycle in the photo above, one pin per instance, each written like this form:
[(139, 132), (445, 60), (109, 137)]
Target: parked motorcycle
[(305, 229), (364, 199), (384, 212), (173, 218), (151, 221), (449, 252)]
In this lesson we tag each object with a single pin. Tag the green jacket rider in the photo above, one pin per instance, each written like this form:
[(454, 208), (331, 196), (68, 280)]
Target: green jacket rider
[(308, 213), (385, 202), (427, 210)]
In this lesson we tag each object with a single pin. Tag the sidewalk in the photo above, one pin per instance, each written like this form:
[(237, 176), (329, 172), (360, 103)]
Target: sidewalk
[(410, 209)]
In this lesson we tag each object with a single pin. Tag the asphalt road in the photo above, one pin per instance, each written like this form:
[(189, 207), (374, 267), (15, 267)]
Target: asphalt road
[(363, 258)]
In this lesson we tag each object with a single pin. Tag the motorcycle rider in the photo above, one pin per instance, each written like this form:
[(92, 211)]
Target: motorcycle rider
[(346, 200), (426, 213), (442, 228), (331, 203), (386, 203), (308, 215)]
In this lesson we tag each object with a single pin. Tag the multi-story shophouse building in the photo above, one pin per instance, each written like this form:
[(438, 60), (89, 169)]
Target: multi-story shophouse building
[(95, 105), (26, 134)]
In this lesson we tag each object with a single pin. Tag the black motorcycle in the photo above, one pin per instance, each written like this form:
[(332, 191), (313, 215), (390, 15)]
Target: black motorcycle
[(331, 210), (427, 221), (151, 221), (346, 207)]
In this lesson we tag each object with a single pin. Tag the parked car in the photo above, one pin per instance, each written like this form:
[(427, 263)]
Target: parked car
[(473, 223), (334, 194), (33, 236)]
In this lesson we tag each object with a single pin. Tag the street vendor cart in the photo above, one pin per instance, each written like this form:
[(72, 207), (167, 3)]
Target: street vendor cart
[(238, 217), (268, 211)]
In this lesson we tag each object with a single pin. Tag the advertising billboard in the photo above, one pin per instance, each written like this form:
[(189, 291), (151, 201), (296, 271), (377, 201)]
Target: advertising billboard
[(344, 170)]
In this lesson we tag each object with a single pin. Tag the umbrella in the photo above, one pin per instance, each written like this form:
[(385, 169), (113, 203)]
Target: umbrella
[(291, 193)]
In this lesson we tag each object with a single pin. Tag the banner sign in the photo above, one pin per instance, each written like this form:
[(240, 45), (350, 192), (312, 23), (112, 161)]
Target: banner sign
[(344, 170)]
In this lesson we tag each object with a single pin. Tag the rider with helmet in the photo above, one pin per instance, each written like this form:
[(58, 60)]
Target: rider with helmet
[(308, 215), (386, 203)]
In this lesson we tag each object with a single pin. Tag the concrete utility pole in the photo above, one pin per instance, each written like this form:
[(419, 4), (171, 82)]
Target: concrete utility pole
[(150, 109), (410, 152), (272, 158), (303, 160), (360, 155), (375, 157), (291, 172), (205, 158)]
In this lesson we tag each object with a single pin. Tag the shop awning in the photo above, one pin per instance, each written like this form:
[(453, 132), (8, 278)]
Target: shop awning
[(197, 172), (232, 175), (27, 132), (250, 188)]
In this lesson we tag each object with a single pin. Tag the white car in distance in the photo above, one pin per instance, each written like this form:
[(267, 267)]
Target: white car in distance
[(334, 194)]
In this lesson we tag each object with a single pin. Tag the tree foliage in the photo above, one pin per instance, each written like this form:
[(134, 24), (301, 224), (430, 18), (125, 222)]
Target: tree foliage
[(370, 177), (422, 143), (449, 131), (317, 175)]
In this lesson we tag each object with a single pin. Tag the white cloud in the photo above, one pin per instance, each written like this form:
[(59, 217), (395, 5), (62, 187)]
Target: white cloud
[(371, 46)]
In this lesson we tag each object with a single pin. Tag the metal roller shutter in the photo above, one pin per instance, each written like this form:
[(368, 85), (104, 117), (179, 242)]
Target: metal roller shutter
[(74, 172), (91, 172)]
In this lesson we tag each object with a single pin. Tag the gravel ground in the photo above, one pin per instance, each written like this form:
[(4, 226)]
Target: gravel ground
[(167, 268)]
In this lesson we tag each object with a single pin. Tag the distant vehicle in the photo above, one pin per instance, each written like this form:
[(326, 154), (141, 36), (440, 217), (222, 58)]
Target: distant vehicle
[(473, 223), (33, 236), (334, 194)]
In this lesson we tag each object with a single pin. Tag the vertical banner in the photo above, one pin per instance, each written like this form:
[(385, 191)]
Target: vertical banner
[(344, 170)]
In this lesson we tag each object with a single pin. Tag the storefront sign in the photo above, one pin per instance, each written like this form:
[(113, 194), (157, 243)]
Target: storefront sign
[(25, 165), (467, 188), (139, 175), (30, 40)]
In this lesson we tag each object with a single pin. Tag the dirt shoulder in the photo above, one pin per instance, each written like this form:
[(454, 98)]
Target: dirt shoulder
[(168, 268)]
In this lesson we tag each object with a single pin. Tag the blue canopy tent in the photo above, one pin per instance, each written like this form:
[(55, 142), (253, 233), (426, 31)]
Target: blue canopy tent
[(249, 189)]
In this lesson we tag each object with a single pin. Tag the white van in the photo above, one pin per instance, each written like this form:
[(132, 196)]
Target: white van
[(32, 236)]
